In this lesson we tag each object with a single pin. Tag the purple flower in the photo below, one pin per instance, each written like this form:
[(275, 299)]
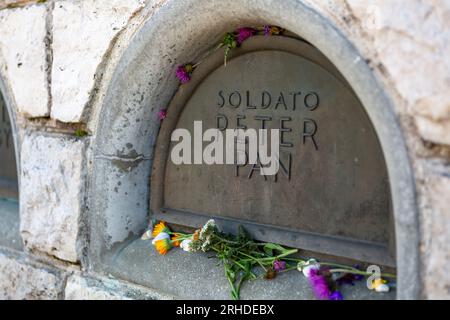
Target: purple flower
[(319, 285), (162, 114), (184, 72), (279, 265), (267, 30), (336, 296), (244, 33)]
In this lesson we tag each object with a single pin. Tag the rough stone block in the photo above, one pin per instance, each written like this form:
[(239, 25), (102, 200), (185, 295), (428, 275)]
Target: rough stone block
[(436, 242), (20, 280), (15, 3), (83, 32), (23, 57), (52, 187), (432, 116), (86, 288), (414, 55)]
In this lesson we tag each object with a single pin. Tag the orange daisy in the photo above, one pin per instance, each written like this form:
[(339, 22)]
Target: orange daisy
[(163, 245), (158, 228)]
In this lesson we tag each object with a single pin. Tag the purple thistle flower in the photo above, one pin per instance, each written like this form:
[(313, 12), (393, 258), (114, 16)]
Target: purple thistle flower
[(279, 265), (244, 33), (319, 285), (336, 296), (162, 114), (184, 72)]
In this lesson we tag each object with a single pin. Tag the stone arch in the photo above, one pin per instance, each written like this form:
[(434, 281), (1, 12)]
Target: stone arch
[(143, 82), (5, 94), (10, 235)]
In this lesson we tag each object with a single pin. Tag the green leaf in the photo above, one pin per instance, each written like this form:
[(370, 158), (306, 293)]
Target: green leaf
[(80, 133), (268, 251)]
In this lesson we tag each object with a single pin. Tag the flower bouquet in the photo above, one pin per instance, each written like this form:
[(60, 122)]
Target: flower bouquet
[(241, 258)]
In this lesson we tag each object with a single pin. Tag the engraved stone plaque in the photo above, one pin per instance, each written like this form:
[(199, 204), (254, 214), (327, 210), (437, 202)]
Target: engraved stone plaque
[(8, 172), (331, 194)]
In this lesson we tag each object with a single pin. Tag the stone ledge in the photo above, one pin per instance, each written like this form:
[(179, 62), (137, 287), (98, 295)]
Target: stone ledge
[(22, 279), (80, 287), (9, 225), (197, 276)]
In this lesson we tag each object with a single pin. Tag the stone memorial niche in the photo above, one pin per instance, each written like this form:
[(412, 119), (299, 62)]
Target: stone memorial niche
[(8, 171), (331, 194)]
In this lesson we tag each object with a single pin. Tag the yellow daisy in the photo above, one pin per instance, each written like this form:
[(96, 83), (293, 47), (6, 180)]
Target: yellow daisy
[(163, 246), (158, 228)]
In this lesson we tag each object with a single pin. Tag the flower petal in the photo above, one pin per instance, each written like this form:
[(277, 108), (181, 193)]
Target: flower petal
[(160, 236)]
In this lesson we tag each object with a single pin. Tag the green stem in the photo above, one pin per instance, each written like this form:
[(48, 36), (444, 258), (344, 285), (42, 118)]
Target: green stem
[(254, 259), (238, 288), (330, 264), (187, 235), (207, 54), (236, 262), (287, 253), (294, 259), (386, 275), (234, 294), (225, 240), (287, 269)]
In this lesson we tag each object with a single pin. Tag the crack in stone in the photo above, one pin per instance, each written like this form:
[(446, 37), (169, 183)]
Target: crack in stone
[(124, 162), (48, 40), (110, 157)]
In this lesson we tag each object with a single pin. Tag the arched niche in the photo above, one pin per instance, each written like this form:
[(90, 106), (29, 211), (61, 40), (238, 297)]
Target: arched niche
[(9, 174), (143, 82), (331, 195)]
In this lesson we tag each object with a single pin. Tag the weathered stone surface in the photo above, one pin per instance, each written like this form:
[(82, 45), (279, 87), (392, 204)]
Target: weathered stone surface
[(411, 39), (83, 31), (432, 116), (21, 280), (52, 191), (79, 288), (435, 195), (415, 56), (23, 57), (86, 288), (127, 198), (15, 3)]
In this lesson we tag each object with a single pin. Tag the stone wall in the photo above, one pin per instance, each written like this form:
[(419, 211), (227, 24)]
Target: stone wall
[(57, 59)]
